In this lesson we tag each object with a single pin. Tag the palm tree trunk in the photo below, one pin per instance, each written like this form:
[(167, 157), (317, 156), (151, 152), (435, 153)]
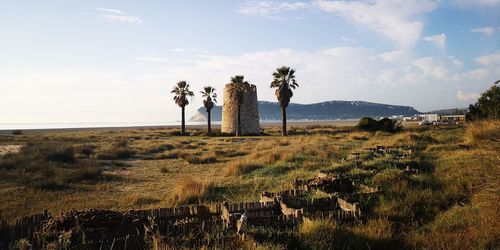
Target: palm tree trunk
[(183, 123), (209, 125), (238, 123), (283, 120)]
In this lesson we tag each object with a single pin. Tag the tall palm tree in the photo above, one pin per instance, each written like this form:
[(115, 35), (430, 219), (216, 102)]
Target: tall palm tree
[(209, 102), (182, 92), (284, 82), (238, 86)]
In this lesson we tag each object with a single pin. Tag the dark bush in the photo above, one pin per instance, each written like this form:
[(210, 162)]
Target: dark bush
[(122, 152), (17, 132), (47, 152), (60, 154), (367, 123), (116, 153), (87, 171), (389, 125), (7, 163), (121, 143), (384, 124), (487, 106), (86, 149)]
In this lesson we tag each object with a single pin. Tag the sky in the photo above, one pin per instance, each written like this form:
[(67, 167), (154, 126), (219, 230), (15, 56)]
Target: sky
[(65, 61)]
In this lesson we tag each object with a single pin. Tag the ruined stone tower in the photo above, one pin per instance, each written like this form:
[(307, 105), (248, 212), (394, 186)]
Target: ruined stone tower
[(249, 113)]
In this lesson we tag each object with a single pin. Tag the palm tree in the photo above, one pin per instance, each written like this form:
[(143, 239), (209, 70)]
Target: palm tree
[(238, 86), (284, 82), (211, 96), (181, 92)]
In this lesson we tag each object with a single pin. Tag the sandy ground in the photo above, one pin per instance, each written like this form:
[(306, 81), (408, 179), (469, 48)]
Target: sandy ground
[(200, 126), (5, 149), (336, 123)]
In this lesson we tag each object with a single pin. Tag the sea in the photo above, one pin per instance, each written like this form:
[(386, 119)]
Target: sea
[(84, 125), (76, 125)]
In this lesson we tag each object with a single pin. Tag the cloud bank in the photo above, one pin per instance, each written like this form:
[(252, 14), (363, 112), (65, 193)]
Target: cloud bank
[(399, 21)]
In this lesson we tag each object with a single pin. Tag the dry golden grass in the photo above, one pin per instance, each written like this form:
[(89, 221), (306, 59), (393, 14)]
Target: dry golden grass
[(165, 170), (482, 132), (189, 190), (240, 167)]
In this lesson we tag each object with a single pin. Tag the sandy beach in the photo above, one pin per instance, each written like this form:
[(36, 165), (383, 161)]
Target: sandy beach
[(263, 124)]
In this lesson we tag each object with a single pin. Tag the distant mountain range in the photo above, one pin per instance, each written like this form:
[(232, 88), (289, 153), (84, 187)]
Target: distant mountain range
[(332, 110)]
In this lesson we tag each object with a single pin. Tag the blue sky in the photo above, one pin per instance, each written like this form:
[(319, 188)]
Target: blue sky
[(116, 61)]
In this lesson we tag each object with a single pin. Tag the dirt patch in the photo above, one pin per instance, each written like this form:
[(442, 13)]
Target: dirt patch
[(9, 149)]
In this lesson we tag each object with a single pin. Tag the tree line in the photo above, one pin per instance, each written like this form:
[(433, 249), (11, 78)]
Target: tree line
[(283, 81), (487, 105)]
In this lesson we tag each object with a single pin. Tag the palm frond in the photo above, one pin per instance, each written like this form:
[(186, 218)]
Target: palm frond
[(181, 91)]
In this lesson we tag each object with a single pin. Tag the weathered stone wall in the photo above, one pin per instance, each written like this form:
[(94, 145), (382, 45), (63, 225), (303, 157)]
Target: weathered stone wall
[(249, 114)]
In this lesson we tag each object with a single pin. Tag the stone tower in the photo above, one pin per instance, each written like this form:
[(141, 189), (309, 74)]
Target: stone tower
[(249, 113)]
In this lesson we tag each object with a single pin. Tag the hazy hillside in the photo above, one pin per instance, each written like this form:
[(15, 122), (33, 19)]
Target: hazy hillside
[(331, 110), (455, 111)]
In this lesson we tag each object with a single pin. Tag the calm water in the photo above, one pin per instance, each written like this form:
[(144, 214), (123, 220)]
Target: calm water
[(10, 126)]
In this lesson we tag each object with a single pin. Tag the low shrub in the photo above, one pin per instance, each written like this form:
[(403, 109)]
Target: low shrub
[(83, 171), (48, 166), (368, 123), (187, 190), (478, 133), (57, 153), (119, 150), (384, 124), (17, 132), (85, 149), (389, 125)]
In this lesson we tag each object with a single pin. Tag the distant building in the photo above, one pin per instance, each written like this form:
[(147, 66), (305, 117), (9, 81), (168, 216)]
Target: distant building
[(430, 118), (441, 119), (249, 113)]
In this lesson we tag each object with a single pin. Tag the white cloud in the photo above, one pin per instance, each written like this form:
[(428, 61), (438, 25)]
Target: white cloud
[(477, 3), (462, 96), (122, 18), (398, 20), (487, 31), (477, 74), (348, 73), (115, 11), (396, 56), (489, 60), (438, 40), (268, 8), (433, 68), (115, 15), (339, 73)]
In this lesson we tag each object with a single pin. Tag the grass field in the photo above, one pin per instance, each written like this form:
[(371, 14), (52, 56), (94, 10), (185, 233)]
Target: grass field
[(453, 203)]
